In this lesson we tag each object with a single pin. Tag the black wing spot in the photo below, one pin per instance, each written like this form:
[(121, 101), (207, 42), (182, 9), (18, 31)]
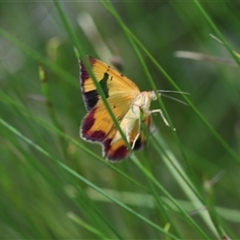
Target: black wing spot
[(91, 98)]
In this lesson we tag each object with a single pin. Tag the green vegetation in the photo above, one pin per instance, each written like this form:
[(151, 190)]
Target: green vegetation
[(182, 185)]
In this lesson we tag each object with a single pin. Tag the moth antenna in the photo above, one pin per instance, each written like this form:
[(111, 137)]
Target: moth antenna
[(171, 91), (175, 99)]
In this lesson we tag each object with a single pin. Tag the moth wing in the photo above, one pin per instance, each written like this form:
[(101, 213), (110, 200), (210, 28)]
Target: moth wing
[(98, 124), (111, 81), (116, 151)]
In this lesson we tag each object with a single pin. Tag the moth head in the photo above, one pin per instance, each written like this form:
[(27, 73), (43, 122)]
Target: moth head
[(152, 96)]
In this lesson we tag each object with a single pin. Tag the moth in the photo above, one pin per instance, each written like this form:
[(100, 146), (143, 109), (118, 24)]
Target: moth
[(130, 107)]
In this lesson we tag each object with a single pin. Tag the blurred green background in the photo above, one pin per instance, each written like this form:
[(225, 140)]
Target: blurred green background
[(40, 198)]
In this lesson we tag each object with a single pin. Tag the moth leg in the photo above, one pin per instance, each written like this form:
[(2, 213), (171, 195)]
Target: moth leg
[(139, 129), (127, 133), (161, 114), (136, 138), (127, 130)]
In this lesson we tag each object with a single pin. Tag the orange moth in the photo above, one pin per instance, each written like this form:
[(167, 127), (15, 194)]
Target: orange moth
[(130, 107)]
